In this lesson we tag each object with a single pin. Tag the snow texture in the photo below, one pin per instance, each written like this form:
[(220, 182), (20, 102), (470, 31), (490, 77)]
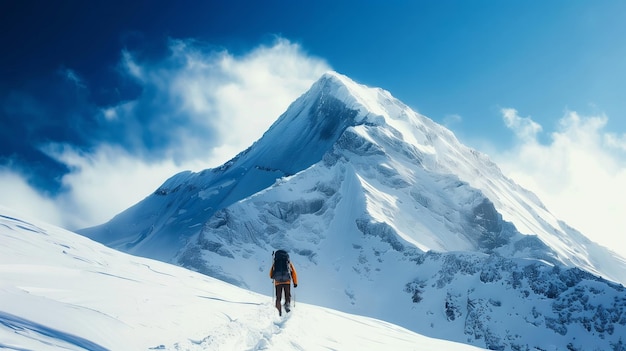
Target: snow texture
[(386, 215), (61, 291)]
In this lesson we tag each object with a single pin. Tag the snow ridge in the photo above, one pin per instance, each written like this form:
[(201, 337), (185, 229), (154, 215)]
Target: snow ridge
[(366, 193)]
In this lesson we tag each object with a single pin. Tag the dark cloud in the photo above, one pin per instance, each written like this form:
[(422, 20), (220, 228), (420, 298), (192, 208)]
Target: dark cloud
[(88, 85), (64, 108), (51, 111), (142, 106), (60, 67)]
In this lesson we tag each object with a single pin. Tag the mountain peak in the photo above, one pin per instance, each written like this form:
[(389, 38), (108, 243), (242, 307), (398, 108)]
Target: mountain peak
[(339, 118), (364, 191), (361, 98), (333, 75), (336, 77)]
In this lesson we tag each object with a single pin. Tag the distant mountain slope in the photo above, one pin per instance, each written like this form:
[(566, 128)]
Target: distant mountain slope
[(369, 196), (61, 291)]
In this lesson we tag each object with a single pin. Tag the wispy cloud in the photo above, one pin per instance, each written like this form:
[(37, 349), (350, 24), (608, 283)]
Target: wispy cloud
[(580, 174), (523, 127), (197, 108), (73, 77), (616, 141), (210, 103), (452, 119), (107, 181), (18, 195)]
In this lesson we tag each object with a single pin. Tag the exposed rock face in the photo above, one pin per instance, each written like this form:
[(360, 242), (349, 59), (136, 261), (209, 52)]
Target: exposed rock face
[(387, 215)]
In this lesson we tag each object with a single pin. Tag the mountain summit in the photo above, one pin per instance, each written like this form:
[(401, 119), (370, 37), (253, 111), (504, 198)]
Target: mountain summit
[(388, 215), (156, 226)]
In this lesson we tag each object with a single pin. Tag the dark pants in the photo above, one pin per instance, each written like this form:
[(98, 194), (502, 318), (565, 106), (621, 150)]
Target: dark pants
[(280, 288)]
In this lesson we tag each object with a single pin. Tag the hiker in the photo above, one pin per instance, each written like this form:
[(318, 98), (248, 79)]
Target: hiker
[(282, 272)]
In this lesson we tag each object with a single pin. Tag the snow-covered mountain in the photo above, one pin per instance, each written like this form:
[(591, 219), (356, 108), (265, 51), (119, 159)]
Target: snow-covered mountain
[(62, 291), (387, 215)]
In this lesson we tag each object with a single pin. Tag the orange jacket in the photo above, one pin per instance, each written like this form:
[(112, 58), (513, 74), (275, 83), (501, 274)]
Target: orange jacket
[(294, 275)]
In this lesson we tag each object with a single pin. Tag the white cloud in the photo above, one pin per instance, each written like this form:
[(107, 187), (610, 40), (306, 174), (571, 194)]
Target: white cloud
[(198, 108), (618, 142), (107, 181), (523, 127), (212, 104), (19, 196), (100, 185), (580, 174)]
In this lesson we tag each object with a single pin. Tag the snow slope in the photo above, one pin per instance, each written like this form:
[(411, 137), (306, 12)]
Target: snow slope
[(158, 226), (349, 259), (395, 142), (387, 215), (61, 291)]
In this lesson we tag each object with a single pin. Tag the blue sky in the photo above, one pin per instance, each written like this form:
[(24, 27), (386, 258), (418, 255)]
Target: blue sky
[(101, 101)]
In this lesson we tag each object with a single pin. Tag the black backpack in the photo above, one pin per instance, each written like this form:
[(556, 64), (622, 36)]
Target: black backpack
[(282, 269)]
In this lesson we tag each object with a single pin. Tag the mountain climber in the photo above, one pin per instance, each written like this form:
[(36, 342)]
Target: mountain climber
[(282, 272)]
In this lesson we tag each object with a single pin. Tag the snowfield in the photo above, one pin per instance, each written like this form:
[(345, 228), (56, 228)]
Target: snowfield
[(62, 291), (386, 215)]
